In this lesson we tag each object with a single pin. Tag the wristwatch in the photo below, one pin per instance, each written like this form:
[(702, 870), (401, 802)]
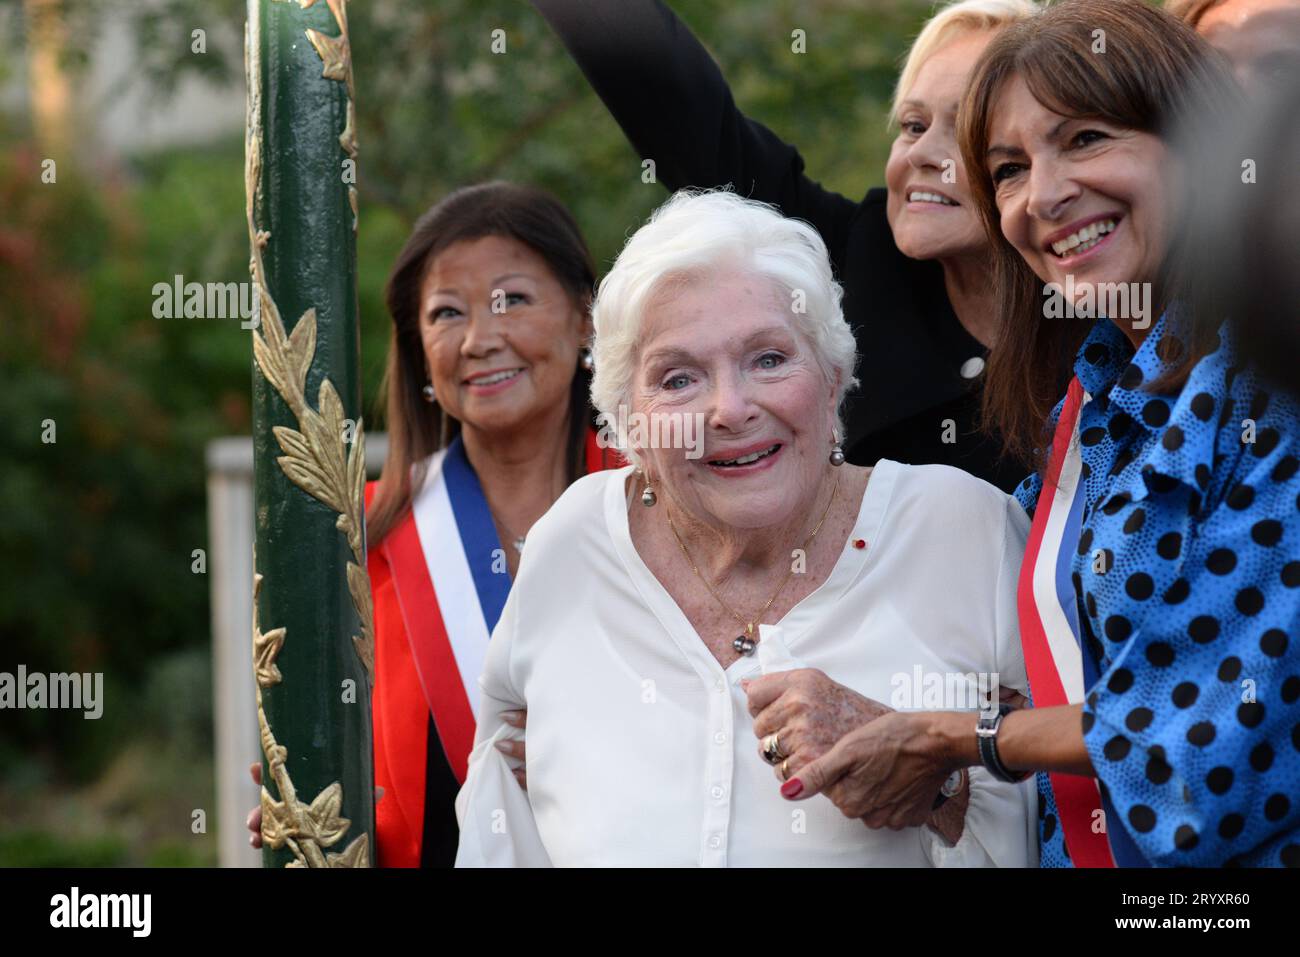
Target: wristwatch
[(986, 736)]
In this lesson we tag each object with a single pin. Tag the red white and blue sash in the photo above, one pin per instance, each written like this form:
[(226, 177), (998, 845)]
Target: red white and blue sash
[(452, 583), (451, 580), (1060, 672)]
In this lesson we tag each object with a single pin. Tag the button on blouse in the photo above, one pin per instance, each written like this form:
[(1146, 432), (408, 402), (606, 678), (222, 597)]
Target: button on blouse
[(641, 750)]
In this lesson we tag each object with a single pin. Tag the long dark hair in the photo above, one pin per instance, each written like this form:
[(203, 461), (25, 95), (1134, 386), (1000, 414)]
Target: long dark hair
[(1156, 75), (417, 428)]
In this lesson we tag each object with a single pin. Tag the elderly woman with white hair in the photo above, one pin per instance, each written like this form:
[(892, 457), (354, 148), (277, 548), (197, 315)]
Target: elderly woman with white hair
[(649, 595), (912, 254)]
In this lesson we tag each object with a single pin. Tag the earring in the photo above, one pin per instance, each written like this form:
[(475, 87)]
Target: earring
[(586, 360), (428, 392), (648, 497), (837, 451)]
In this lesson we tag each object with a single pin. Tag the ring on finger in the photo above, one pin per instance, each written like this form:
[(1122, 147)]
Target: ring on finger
[(785, 769), (772, 752)]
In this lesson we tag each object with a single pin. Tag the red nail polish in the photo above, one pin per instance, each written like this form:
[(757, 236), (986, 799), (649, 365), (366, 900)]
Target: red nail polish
[(792, 788)]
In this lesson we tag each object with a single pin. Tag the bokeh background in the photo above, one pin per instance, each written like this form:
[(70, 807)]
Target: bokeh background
[(98, 530)]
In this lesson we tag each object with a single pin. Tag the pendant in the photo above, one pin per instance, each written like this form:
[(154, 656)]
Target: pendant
[(743, 645)]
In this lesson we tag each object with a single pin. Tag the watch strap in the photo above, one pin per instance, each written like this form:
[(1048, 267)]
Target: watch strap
[(986, 736)]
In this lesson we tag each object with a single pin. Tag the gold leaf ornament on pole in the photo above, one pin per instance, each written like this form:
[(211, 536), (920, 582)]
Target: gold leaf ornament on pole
[(315, 458), (304, 828), (336, 54), (322, 450)]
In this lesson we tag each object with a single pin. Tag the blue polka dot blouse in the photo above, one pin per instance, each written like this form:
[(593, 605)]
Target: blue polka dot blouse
[(1187, 577)]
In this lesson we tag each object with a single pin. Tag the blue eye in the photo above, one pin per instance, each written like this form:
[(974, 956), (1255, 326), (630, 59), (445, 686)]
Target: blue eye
[(776, 357), (442, 311), (683, 379)]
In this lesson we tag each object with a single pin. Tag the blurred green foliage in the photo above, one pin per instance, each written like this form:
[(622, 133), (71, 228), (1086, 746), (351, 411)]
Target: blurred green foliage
[(100, 526)]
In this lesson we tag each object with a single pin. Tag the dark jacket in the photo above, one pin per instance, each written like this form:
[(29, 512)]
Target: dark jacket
[(674, 105)]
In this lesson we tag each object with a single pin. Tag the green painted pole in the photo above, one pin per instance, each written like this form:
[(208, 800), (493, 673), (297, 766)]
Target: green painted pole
[(312, 621)]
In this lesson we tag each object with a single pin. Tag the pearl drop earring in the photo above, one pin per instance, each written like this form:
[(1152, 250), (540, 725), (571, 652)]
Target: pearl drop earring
[(837, 451)]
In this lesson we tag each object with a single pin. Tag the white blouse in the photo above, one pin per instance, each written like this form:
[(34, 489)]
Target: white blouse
[(641, 749)]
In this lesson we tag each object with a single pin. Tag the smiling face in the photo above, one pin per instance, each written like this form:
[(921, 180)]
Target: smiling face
[(1078, 196), (929, 206), (501, 335), (725, 347)]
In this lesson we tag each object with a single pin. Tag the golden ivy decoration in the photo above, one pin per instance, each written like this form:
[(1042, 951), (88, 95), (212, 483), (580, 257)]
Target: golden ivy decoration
[(336, 54), (306, 829), (314, 459), (319, 461)]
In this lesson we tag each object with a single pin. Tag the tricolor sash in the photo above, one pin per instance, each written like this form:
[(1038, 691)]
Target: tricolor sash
[(1060, 672), (452, 583)]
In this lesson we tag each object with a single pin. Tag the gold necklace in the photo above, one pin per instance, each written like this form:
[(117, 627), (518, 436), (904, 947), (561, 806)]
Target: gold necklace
[(744, 644)]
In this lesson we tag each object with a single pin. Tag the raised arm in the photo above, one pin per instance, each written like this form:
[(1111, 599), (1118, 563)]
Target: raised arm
[(673, 104)]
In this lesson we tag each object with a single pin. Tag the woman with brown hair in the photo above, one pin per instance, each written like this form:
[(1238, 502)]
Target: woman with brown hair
[(1160, 590), (488, 421)]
